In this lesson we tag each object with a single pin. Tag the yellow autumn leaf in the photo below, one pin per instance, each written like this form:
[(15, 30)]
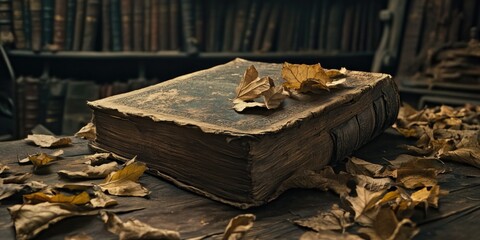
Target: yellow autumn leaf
[(79, 199), (130, 172), (41, 159), (124, 181), (305, 78)]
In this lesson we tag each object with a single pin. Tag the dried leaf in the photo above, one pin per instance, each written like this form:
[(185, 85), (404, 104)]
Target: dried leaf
[(54, 154), (413, 178), (387, 226), (91, 172), (135, 229), (364, 205), (3, 168), (335, 219), (428, 196), (124, 181), (41, 159), (98, 159), (7, 190), (274, 97), (29, 220), (88, 132), (79, 199), (251, 86), (373, 184), (357, 166), (304, 78), (79, 236), (469, 156), (328, 235), (238, 226), (240, 105), (48, 141), (17, 178), (102, 200), (336, 74)]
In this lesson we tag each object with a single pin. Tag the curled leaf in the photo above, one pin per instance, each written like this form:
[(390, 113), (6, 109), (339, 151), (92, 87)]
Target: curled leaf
[(274, 96), (251, 86), (238, 226), (469, 156), (90, 172), (334, 219), (27, 160), (135, 229), (102, 200), (48, 141), (364, 205), (3, 168), (305, 78), (88, 132), (357, 166), (412, 178)]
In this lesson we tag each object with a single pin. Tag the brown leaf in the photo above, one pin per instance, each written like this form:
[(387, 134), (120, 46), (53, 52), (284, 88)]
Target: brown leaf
[(124, 181), (79, 199), (7, 190), (88, 132), (469, 156), (41, 159), (328, 235), (135, 229), (90, 172), (335, 219), (251, 86), (3, 168), (16, 178), (412, 162), (238, 226), (29, 220), (304, 78), (336, 74), (79, 236), (428, 196), (413, 178), (98, 159), (373, 184), (48, 141), (364, 205), (27, 160), (387, 226), (274, 97), (357, 166), (102, 200)]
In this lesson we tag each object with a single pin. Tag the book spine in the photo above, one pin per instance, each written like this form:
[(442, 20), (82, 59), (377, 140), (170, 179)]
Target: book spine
[(229, 27), (47, 22), (174, 25), (126, 16), (138, 7), (70, 24), (314, 21), (322, 31), (106, 27), (6, 26), (188, 27), (147, 24), (269, 38), (59, 24), (27, 24), (154, 26), (163, 25), (199, 25), (31, 96), (116, 26), (79, 22), (261, 25), (92, 12), (250, 26), (334, 29), (240, 24), (36, 20), (18, 24)]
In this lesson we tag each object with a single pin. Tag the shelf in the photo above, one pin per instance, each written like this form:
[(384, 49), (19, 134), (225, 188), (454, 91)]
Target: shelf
[(97, 55)]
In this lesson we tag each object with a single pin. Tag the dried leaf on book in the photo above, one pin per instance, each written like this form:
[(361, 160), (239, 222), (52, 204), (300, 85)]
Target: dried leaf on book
[(305, 78), (135, 229), (88, 132), (124, 181), (78, 199), (238, 226), (334, 219), (91, 172), (48, 141)]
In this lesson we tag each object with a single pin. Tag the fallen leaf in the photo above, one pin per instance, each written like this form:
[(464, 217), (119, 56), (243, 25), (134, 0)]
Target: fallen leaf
[(102, 200), (124, 181), (29, 220), (334, 219), (91, 172), (413, 178), (8, 190), (34, 198), (428, 196), (364, 205), (387, 226), (469, 156), (357, 166), (41, 159), (3, 168), (373, 184), (98, 159), (27, 160), (135, 229), (87, 132), (304, 78), (79, 236), (16, 178), (238, 226), (329, 235), (48, 141), (251, 86)]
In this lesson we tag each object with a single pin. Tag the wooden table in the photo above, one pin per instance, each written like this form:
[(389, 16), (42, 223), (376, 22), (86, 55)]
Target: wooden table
[(172, 208)]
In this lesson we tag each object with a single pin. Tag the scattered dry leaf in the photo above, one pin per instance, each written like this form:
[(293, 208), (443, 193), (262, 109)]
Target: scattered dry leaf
[(88, 132), (90, 172), (27, 160), (364, 205), (335, 219), (3, 168), (124, 181), (17, 178), (238, 226), (387, 226), (135, 229), (7, 190), (413, 178), (41, 159), (98, 159), (48, 141), (357, 166), (102, 200), (274, 97), (469, 156), (34, 198), (328, 235), (29, 220), (373, 184), (240, 105), (305, 78)]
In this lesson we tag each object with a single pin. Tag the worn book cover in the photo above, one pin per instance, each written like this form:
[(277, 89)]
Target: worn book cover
[(187, 132)]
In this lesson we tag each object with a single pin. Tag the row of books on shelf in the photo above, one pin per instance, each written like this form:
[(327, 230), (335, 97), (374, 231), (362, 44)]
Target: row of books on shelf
[(207, 26), (60, 104)]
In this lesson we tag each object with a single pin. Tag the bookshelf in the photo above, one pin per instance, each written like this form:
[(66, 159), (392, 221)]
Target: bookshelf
[(117, 40)]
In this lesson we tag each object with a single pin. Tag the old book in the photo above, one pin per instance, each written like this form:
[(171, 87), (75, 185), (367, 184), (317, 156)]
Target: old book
[(261, 25), (116, 25), (18, 26), (228, 27), (335, 23), (137, 25), (198, 24), (92, 14), (189, 41), (313, 26), (252, 16), (126, 12), (323, 24), (75, 113), (347, 27), (27, 23), (59, 24), (187, 132), (6, 29), (241, 15), (47, 22), (269, 38), (79, 22), (36, 27), (70, 24), (146, 24), (106, 27)]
